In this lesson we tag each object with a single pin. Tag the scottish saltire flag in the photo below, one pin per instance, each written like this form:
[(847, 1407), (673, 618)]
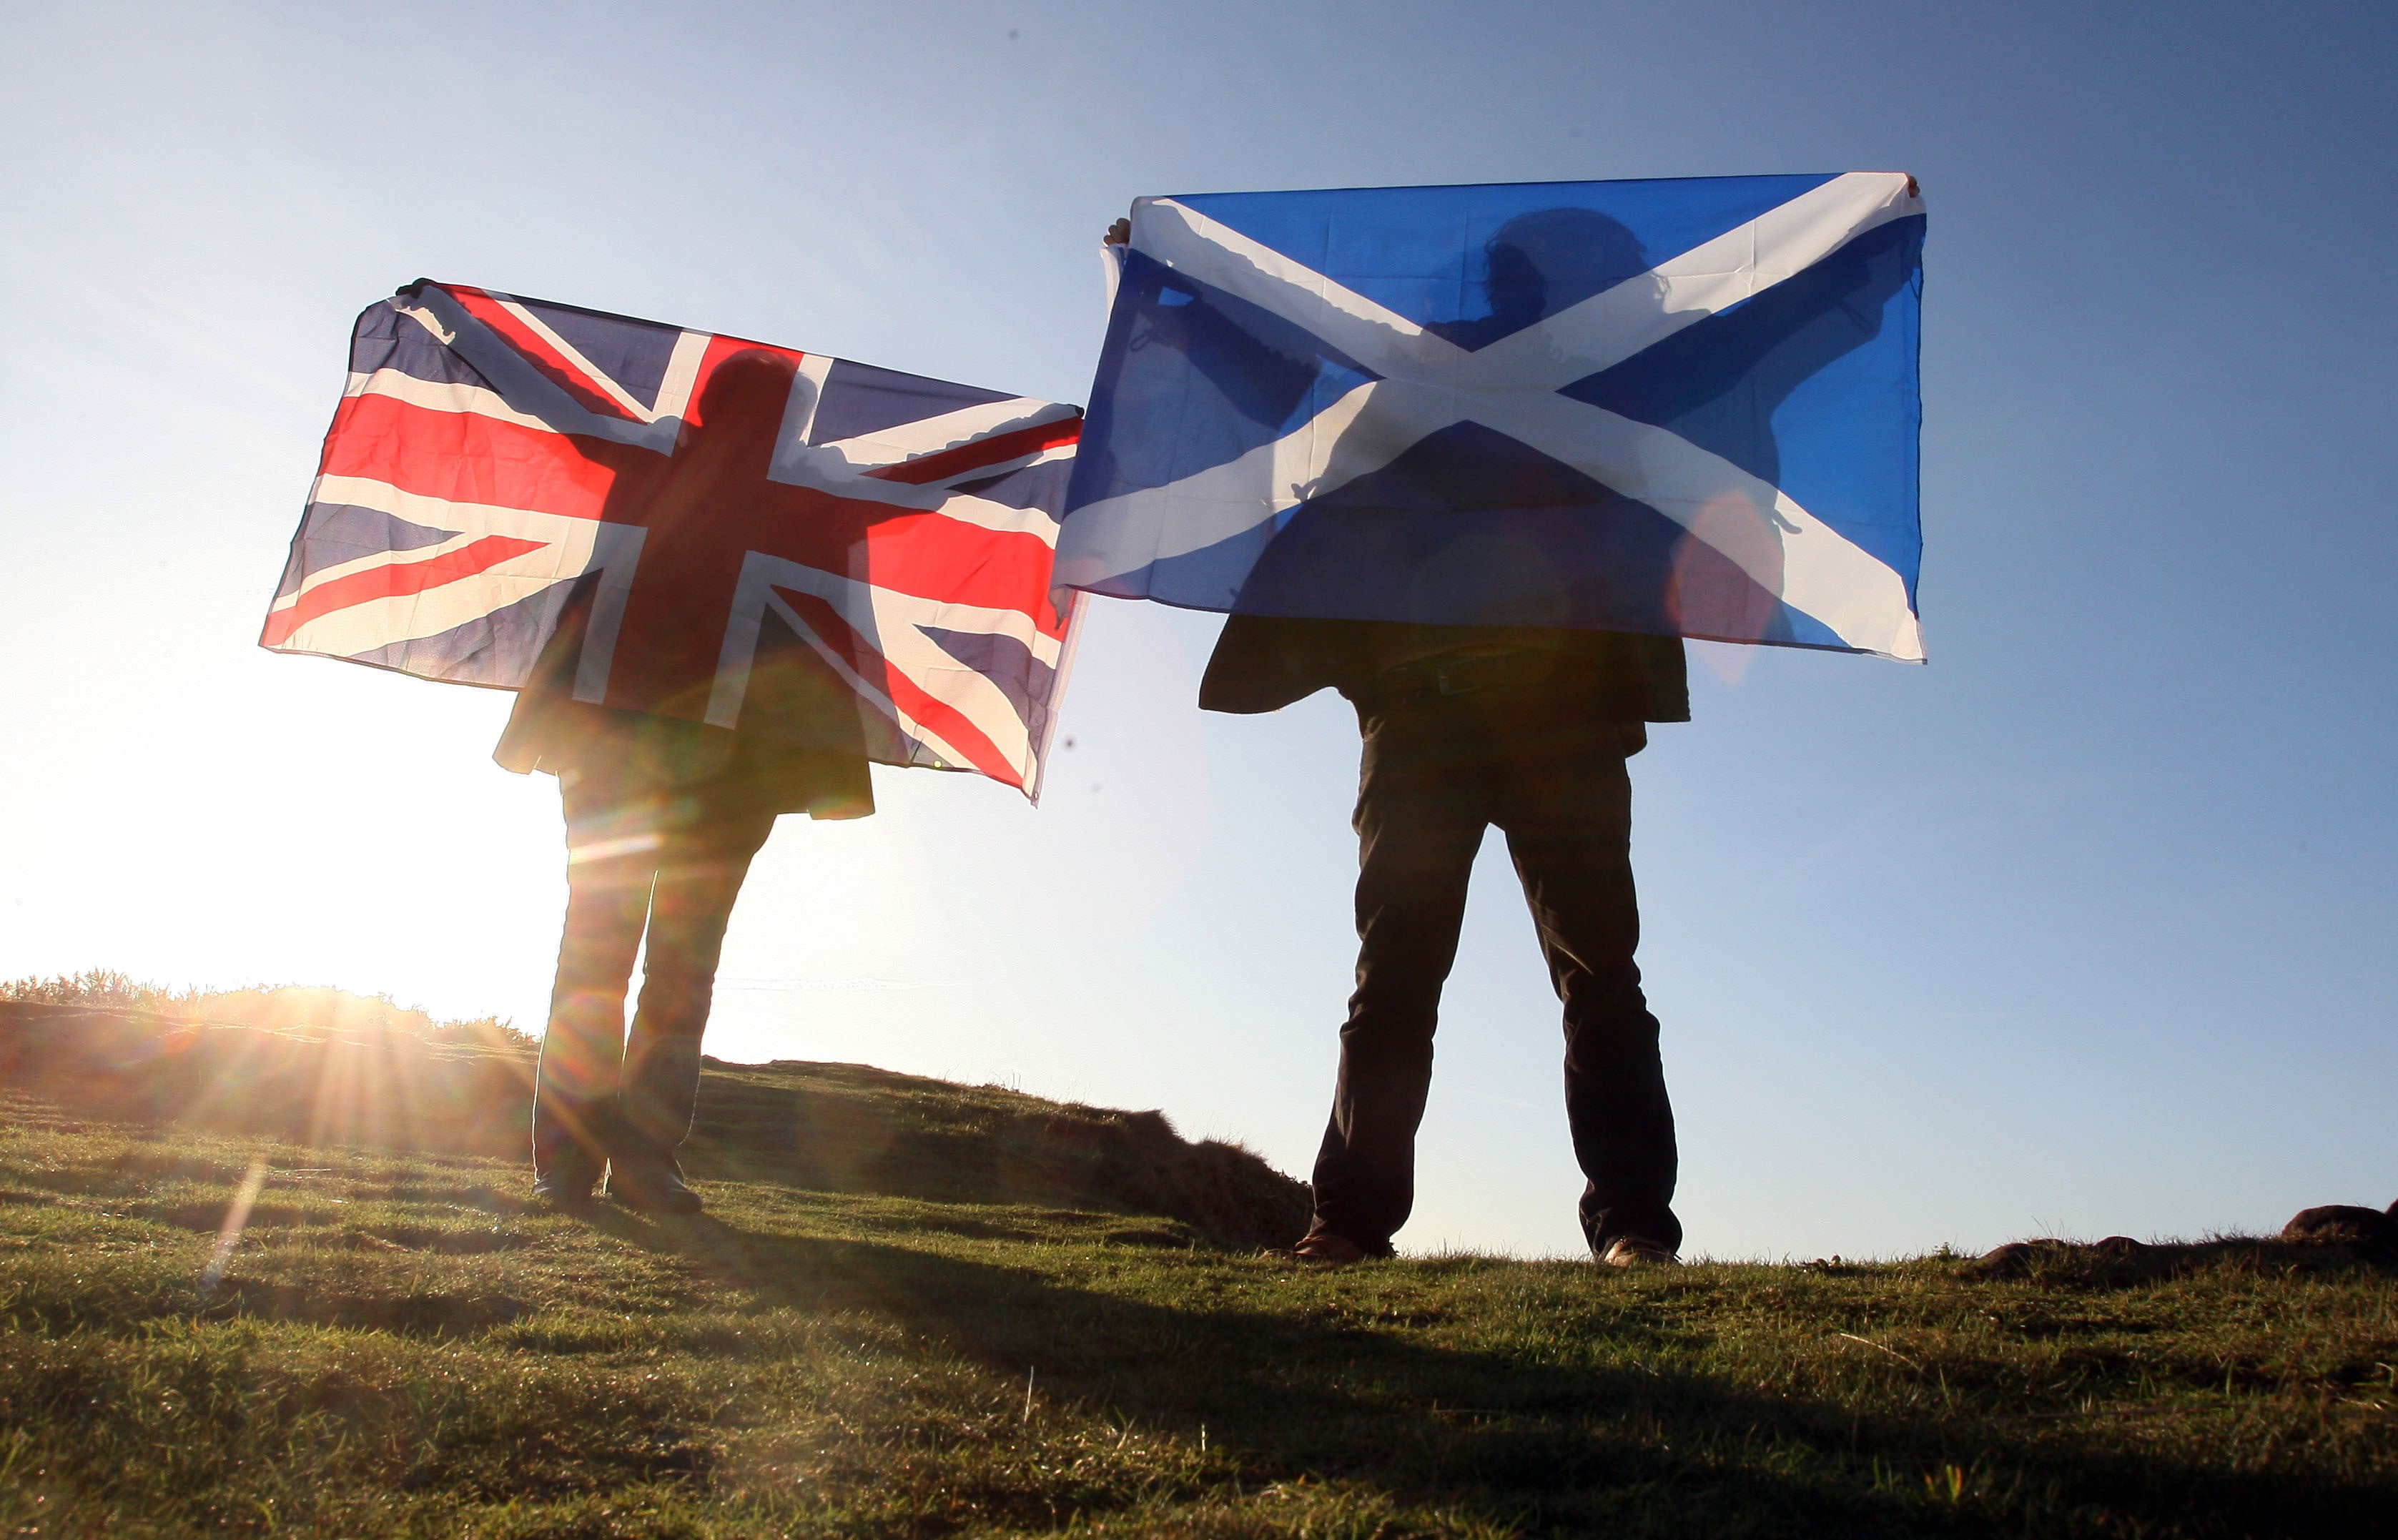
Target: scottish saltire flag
[(1684, 408), (716, 517)]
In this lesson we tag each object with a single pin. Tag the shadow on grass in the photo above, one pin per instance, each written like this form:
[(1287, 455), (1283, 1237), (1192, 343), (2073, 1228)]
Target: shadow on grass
[(1512, 1439)]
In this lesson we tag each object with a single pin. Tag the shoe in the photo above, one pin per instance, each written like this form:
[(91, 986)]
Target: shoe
[(1322, 1245), (652, 1187), (561, 1193), (1634, 1251), (566, 1183)]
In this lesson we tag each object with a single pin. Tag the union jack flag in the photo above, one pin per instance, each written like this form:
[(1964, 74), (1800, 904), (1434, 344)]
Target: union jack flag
[(712, 514)]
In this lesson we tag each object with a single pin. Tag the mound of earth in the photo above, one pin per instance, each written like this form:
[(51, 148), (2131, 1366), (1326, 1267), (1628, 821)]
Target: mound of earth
[(2372, 1232), (2325, 1239), (839, 1128)]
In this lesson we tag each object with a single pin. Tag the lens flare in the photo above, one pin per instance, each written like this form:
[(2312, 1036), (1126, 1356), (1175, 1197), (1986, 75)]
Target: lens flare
[(236, 1219)]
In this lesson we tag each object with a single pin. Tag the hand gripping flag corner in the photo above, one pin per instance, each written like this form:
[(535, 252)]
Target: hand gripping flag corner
[(1682, 407), (717, 518)]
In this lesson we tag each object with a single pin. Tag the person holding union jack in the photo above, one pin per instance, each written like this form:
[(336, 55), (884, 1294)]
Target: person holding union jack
[(663, 814), (723, 577)]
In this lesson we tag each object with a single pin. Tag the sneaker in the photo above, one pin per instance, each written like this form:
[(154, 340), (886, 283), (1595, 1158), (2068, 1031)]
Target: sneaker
[(652, 1187), (1323, 1246), (1634, 1251)]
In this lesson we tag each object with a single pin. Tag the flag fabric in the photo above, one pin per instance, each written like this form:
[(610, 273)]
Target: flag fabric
[(1681, 408), (707, 518)]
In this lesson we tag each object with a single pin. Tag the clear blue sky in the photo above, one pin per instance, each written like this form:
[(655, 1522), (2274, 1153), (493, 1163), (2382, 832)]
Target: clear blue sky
[(2084, 927)]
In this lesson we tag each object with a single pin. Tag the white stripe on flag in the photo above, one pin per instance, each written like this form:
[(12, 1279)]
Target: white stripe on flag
[(527, 388), (983, 513), (1126, 532), (905, 442), (894, 624), (799, 411), (1380, 340), (592, 373), (682, 372), (1787, 550), (434, 396), (571, 547), (1615, 323)]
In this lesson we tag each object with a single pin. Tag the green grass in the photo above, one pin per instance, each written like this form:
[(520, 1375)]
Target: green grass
[(397, 1347)]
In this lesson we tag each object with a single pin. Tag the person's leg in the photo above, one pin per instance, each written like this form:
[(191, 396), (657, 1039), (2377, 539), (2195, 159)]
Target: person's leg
[(1417, 829), (1566, 804), (608, 882), (700, 874)]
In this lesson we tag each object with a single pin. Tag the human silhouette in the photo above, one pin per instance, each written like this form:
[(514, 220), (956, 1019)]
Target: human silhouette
[(1464, 727), (663, 814)]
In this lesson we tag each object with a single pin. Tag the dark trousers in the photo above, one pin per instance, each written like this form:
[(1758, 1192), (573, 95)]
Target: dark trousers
[(660, 868), (1531, 760)]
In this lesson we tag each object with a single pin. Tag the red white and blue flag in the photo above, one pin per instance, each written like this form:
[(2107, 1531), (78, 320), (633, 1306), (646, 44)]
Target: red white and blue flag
[(711, 513)]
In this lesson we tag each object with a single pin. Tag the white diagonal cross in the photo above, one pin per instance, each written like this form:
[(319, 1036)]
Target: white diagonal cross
[(1429, 383)]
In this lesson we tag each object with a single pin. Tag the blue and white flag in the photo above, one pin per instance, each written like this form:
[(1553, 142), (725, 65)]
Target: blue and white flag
[(1682, 407)]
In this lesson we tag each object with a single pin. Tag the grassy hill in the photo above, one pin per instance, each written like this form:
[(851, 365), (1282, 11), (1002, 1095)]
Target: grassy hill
[(920, 1310), (401, 1082)]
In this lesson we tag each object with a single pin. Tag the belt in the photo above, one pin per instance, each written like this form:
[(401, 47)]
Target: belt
[(1462, 675)]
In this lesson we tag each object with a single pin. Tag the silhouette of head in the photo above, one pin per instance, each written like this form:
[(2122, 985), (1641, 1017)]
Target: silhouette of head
[(1552, 259), (745, 395)]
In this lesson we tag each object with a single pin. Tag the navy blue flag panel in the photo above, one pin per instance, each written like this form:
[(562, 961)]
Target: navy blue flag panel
[(1680, 407)]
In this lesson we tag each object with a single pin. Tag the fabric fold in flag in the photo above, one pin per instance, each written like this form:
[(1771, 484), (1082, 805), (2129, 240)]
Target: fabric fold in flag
[(1683, 408), (734, 533)]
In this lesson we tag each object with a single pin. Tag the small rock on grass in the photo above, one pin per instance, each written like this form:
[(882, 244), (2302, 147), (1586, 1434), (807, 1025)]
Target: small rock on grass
[(2346, 1224), (2017, 1258)]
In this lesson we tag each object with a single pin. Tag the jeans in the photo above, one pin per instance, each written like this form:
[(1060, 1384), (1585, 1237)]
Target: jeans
[(1533, 761), (663, 867)]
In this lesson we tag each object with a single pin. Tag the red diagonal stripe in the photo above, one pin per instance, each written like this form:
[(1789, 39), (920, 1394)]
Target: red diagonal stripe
[(486, 308), (955, 728), (983, 451), (390, 582), (937, 716)]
